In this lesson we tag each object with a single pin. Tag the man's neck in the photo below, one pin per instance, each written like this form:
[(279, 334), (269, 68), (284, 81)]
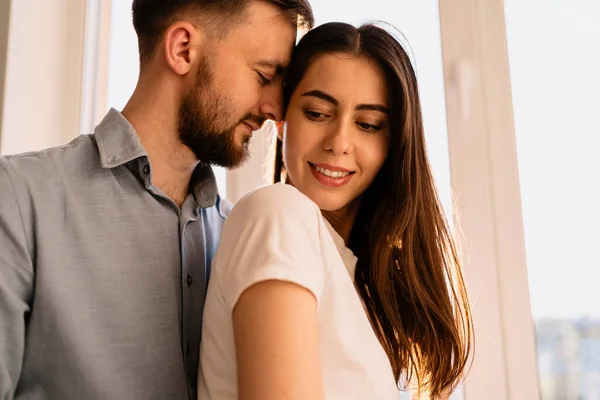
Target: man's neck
[(172, 162)]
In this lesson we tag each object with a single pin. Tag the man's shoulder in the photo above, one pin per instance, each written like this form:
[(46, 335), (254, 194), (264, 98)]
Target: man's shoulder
[(48, 164)]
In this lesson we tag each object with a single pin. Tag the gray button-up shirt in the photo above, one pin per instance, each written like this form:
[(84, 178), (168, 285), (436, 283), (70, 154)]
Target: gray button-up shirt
[(102, 277)]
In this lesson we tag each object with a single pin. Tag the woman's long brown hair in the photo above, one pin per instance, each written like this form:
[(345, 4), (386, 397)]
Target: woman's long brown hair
[(408, 272)]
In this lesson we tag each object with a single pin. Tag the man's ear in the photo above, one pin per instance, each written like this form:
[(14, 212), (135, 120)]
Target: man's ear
[(182, 43)]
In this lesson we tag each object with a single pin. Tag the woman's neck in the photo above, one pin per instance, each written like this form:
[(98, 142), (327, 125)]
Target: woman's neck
[(342, 220)]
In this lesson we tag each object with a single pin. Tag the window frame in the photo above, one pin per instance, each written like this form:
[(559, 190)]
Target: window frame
[(485, 180), (94, 83)]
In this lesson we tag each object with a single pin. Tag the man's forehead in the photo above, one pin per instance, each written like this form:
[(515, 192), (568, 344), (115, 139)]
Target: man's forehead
[(264, 11), (267, 37), (271, 50)]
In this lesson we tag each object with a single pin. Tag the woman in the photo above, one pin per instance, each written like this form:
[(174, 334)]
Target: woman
[(344, 282)]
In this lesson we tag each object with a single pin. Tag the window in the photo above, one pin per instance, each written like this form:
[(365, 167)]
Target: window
[(556, 98)]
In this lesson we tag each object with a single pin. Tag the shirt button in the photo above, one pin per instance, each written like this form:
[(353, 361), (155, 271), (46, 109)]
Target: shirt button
[(189, 280), (146, 169), (188, 348)]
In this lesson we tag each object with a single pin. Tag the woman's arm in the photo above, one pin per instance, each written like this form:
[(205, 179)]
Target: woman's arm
[(277, 347)]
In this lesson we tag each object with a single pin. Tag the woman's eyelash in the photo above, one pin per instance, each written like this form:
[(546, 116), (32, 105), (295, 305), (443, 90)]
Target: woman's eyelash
[(318, 116), (314, 114), (369, 127)]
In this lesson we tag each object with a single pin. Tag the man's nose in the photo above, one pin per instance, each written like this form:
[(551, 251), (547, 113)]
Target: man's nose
[(271, 105)]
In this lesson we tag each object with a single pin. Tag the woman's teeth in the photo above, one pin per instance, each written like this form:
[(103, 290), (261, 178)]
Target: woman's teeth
[(332, 174)]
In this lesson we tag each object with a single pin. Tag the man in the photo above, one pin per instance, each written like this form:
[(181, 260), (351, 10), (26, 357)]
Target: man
[(106, 243)]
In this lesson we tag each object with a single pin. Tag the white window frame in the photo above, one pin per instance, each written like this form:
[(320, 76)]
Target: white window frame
[(483, 162), (94, 85), (485, 180)]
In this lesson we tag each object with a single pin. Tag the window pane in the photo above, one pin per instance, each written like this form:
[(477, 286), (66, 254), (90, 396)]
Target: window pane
[(554, 66), (123, 67)]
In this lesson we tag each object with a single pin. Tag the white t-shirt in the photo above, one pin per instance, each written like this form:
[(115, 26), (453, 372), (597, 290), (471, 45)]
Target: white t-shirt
[(276, 232)]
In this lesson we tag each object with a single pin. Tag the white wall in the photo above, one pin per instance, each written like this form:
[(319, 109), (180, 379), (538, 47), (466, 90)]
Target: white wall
[(41, 104)]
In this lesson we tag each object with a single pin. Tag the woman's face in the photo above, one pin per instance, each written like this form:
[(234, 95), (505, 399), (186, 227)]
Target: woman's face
[(336, 134)]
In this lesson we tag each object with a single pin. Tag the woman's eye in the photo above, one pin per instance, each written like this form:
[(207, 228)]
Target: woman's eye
[(368, 127), (314, 115)]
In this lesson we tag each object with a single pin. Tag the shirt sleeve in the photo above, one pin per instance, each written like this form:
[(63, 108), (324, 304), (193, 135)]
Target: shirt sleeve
[(16, 283), (271, 234)]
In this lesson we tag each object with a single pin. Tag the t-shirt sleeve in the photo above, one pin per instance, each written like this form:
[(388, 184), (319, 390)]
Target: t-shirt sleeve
[(271, 234)]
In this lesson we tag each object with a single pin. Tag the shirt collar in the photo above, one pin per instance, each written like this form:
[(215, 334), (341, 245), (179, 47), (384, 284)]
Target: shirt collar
[(118, 144), (204, 186), (117, 141)]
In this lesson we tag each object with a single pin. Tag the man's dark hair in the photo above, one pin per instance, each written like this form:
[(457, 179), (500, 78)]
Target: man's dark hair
[(152, 17)]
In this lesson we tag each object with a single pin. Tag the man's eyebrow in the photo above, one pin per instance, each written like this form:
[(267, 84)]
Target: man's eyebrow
[(273, 65)]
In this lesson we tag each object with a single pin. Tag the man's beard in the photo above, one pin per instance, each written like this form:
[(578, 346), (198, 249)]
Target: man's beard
[(205, 127)]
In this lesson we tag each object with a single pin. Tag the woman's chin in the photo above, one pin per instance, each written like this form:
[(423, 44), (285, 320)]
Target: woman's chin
[(324, 198), (329, 203)]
